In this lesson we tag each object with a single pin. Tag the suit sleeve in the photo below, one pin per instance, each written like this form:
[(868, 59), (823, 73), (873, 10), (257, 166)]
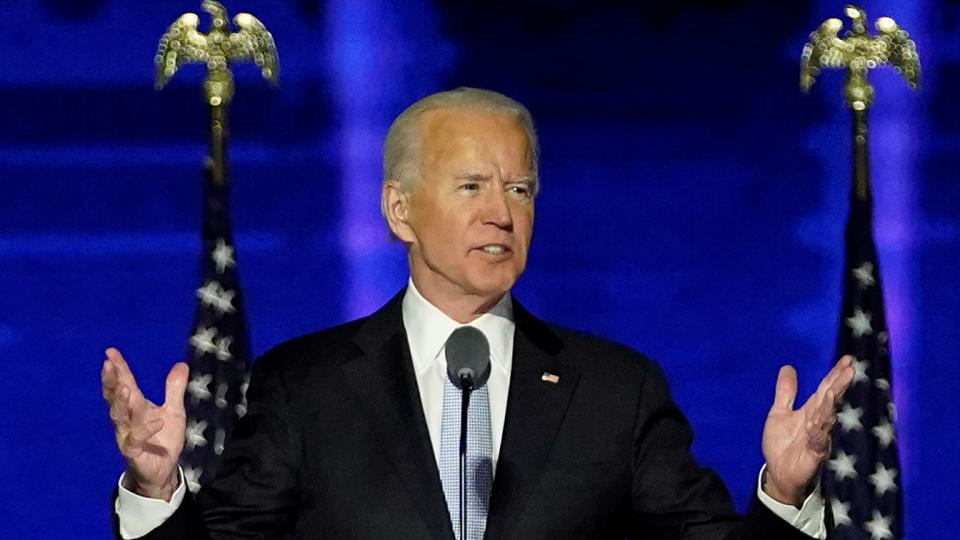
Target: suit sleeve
[(255, 492), (673, 496)]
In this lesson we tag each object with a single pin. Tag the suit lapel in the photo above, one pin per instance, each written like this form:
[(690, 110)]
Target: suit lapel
[(535, 411), (386, 386)]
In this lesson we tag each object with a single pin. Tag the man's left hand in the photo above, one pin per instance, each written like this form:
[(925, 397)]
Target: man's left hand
[(796, 442)]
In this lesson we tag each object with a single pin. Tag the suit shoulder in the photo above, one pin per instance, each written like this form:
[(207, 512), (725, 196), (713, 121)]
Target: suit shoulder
[(611, 373), (594, 353), (323, 349)]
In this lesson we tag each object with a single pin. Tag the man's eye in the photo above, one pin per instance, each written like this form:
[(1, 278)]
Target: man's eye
[(520, 190), (471, 186)]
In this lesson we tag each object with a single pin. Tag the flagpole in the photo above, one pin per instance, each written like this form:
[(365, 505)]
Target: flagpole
[(217, 164), (860, 480), (861, 159)]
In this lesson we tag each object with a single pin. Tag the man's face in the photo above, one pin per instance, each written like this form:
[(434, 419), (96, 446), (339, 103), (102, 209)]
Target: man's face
[(469, 218)]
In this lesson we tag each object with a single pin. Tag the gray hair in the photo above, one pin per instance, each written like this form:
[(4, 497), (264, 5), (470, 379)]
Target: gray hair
[(401, 150)]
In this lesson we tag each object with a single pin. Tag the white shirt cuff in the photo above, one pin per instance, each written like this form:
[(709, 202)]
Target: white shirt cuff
[(139, 515), (809, 518)]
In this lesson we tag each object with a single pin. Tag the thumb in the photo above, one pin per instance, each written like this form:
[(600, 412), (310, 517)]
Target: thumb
[(176, 385), (786, 389)]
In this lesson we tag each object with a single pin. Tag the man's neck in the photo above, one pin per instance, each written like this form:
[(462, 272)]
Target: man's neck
[(461, 308)]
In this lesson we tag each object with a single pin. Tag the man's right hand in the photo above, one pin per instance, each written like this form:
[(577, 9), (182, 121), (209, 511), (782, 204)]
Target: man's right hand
[(150, 437)]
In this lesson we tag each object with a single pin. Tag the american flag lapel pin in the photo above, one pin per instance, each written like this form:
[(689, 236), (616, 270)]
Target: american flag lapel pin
[(550, 378)]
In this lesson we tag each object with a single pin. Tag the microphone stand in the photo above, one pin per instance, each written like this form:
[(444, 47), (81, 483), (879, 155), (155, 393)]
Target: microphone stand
[(468, 366), (466, 386)]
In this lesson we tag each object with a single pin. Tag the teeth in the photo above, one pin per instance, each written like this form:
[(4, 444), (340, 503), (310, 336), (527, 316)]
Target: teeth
[(493, 250)]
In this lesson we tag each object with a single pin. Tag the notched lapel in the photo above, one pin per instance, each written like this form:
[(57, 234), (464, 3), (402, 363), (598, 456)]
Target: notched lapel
[(386, 387), (535, 411)]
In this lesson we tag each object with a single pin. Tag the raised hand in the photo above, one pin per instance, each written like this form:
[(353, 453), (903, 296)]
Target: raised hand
[(149, 436), (796, 442)]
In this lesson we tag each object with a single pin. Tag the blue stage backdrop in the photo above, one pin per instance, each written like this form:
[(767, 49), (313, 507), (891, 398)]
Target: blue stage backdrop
[(692, 207)]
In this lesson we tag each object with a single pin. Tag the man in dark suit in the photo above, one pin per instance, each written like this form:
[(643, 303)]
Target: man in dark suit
[(343, 436)]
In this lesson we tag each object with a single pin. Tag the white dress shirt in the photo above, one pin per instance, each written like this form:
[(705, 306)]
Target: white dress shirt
[(427, 331)]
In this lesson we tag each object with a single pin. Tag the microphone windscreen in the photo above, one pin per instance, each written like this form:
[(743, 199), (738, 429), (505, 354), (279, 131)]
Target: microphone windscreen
[(468, 356)]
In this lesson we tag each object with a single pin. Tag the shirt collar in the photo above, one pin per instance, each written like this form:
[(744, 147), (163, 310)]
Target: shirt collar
[(428, 329)]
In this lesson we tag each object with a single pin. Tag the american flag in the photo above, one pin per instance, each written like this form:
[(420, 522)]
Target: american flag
[(219, 350), (861, 480)]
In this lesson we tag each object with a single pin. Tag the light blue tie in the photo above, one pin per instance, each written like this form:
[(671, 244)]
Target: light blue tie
[(479, 458)]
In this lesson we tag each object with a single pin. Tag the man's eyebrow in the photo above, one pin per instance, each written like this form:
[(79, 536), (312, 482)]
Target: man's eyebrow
[(473, 176)]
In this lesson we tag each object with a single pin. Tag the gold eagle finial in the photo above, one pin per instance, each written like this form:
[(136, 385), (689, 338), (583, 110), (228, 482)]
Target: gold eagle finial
[(859, 52), (184, 44)]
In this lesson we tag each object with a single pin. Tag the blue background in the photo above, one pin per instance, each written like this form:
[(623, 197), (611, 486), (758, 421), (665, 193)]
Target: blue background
[(692, 207)]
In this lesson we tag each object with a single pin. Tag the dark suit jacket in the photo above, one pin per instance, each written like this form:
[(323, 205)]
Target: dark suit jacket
[(335, 445)]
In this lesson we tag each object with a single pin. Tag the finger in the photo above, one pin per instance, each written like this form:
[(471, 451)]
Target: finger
[(826, 414), (108, 380), (115, 358), (139, 435), (786, 391), (120, 408), (843, 381), (138, 403), (176, 385), (821, 424), (124, 374), (835, 372)]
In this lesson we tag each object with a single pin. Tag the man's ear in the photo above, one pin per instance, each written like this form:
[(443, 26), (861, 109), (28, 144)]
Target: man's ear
[(396, 208)]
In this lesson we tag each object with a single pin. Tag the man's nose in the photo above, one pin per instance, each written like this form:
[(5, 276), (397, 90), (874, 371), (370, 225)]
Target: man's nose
[(497, 209)]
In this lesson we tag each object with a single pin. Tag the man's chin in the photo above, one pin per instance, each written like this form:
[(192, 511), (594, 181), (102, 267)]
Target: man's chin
[(478, 282), (493, 289)]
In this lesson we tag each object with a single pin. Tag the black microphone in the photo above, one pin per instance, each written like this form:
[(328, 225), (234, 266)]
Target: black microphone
[(468, 358), (468, 368)]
